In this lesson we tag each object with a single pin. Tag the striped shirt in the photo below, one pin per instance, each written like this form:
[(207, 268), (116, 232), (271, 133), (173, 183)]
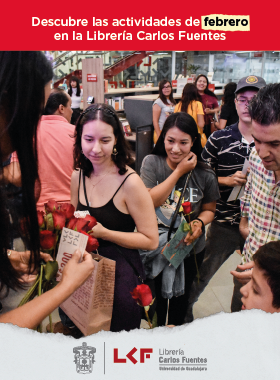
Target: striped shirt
[(225, 151), (261, 205)]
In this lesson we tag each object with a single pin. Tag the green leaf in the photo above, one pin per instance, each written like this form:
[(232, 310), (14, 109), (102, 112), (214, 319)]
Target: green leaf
[(51, 269), (186, 227), (49, 222), (154, 321), (31, 293)]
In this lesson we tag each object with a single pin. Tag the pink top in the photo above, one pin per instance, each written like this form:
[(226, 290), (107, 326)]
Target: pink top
[(55, 158)]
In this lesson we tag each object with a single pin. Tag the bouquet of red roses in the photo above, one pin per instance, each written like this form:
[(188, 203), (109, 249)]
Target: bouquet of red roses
[(57, 216), (51, 223)]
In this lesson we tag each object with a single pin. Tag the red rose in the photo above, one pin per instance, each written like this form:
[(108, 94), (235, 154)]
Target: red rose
[(41, 221), (187, 206), (143, 295), (92, 243), (47, 239), (59, 220), (82, 225), (92, 222), (51, 206), (67, 209), (72, 223)]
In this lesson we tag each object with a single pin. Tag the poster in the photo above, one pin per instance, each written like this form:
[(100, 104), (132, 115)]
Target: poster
[(225, 346)]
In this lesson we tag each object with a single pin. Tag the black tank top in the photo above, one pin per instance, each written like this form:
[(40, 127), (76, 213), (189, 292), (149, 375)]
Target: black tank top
[(108, 215)]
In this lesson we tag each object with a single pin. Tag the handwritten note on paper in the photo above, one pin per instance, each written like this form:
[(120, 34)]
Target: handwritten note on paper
[(90, 306)]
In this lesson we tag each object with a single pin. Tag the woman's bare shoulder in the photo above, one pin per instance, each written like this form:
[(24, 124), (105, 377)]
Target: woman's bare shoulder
[(75, 175), (133, 182)]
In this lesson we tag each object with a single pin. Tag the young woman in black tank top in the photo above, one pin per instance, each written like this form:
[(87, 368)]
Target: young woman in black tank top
[(115, 195)]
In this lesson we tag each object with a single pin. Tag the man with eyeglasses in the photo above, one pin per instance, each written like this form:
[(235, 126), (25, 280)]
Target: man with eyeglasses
[(260, 206), (226, 151)]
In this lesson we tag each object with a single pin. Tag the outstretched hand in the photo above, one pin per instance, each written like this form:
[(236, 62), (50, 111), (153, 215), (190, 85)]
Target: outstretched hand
[(245, 276)]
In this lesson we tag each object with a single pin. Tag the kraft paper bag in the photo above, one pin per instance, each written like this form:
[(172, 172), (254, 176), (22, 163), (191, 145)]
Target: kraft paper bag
[(90, 307)]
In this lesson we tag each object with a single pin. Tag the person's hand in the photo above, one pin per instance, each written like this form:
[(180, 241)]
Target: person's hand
[(75, 273), (20, 262), (187, 164), (98, 231), (237, 179), (196, 232), (208, 111), (244, 277)]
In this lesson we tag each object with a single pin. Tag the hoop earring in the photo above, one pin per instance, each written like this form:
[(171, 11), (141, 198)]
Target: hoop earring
[(115, 152)]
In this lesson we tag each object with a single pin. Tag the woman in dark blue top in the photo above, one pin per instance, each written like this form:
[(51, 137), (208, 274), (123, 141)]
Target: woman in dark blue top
[(115, 195)]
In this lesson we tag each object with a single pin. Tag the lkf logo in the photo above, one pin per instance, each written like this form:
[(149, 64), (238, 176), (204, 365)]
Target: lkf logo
[(84, 358), (144, 354)]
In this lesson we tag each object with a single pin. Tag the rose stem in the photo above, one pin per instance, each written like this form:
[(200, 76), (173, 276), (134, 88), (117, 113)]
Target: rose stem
[(148, 319)]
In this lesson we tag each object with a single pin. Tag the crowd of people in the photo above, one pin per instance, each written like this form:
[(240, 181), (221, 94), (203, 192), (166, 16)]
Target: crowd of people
[(39, 148)]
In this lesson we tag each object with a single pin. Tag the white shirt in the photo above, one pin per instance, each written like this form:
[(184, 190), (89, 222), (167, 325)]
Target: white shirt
[(76, 100)]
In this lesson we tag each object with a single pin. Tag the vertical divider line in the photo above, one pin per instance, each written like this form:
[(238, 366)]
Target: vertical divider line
[(104, 358)]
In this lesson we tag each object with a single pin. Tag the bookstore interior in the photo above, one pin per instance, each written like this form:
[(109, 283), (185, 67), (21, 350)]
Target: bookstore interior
[(128, 80)]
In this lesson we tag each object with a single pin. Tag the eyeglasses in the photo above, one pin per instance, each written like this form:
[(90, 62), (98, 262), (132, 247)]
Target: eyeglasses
[(167, 87), (243, 101)]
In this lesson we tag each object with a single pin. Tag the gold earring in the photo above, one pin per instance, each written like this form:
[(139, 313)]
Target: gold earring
[(115, 152)]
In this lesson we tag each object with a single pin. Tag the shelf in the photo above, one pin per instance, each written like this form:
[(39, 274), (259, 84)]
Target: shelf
[(131, 138), (113, 91)]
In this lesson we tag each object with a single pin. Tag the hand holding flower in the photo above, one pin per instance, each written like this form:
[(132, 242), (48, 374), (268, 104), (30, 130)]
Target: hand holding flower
[(20, 262), (98, 231), (196, 228)]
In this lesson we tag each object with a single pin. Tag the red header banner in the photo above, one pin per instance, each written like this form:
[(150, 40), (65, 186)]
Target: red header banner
[(146, 25)]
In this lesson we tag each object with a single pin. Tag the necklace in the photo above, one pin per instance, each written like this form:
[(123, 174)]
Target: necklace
[(103, 176), (93, 186)]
